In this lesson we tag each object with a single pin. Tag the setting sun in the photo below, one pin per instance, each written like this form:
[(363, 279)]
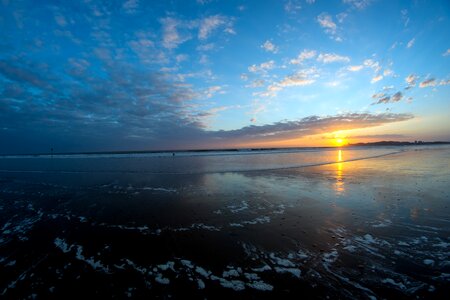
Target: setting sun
[(340, 142)]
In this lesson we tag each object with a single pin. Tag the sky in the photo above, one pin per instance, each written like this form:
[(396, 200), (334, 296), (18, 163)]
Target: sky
[(81, 76)]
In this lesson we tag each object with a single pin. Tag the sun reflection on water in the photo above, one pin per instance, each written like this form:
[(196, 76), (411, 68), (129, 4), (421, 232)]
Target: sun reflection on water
[(339, 185)]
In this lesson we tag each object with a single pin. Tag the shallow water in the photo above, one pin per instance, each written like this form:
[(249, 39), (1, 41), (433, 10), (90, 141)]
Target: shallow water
[(167, 226)]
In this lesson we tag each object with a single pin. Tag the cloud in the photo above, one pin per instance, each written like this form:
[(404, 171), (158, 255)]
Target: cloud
[(411, 80), (304, 55), (206, 47), (298, 79), (378, 136), (268, 65), (256, 83), (130, 6), (209, 24), (444, 82), (355, 68), (292, 6), (446, 53), (405, 18), (428, 82), (411, 43), (269, 47), (331, 57), (396, 97), (210, 91), (378, 95), (176, 32), (358, 4), (310, 126), (26, 74), (326, 21), (376, 78), (60, 20), (370, 63), (301, 78), (181, 57), (388, 99), (171, 37)]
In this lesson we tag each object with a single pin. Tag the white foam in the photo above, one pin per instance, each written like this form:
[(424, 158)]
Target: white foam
[(397, 284), (281, 261), (294, 271), (162, 280), (61, 244), (251, 276), (236, 285), (202, 272), (262, 269), (201, 284), (230, 273), (260, 285), (237, 208), (166, 266), (428, 262), (187, 263)]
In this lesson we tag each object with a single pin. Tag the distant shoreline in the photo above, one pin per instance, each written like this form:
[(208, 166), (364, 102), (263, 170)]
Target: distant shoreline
[(380, 143)]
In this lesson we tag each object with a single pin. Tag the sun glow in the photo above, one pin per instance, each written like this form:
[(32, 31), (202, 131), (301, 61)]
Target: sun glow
[(340, 142)]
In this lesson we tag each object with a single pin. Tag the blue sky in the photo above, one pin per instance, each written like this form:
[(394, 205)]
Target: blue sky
[(135, 75)]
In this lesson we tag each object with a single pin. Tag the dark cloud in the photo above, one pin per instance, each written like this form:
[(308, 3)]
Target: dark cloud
[(383, 99), (309, 126)]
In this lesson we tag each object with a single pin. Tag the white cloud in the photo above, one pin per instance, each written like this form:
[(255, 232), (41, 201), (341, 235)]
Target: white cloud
[(428, 83), (405, 18), (446, 53), (411, 43), (206, 47), (341, 17), (358, 4), (411, 80), (256, 83), (209, 24), (301, 78), (210, 91), (388, 72), (355, 68), (60, 20), (269, 47), (310, 1), (296, 80), (305, 54), (376, 78), (262, 67), (444, 82), (332, 57), (171, 37), (181, 57), (326, 21), (130, 6), (372, 64), (292, 6)]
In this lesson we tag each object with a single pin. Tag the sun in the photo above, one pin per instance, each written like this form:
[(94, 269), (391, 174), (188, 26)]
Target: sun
[(340, 142)]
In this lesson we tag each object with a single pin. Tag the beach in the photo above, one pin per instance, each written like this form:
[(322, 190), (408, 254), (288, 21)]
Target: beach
[(340, 223)]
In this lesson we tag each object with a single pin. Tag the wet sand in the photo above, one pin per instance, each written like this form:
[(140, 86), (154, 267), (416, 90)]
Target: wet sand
[(372, 228)]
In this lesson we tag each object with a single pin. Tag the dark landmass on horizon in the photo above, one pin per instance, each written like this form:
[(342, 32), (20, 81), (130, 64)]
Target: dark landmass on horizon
[(397, 143), (380, 143)]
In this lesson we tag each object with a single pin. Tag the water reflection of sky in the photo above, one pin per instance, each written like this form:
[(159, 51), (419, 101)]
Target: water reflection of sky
[(339, 185)]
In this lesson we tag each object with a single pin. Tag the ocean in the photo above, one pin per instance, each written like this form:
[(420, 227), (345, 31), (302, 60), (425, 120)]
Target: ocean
[(352, 222)]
